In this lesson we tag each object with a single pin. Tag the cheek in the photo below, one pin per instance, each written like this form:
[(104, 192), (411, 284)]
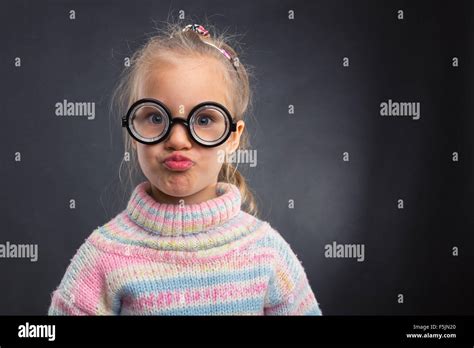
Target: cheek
[(208, 163), (148, 156), (214, 157)]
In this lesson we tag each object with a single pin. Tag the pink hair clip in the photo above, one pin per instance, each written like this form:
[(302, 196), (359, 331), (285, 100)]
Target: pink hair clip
[(198, 29), (205, 33)]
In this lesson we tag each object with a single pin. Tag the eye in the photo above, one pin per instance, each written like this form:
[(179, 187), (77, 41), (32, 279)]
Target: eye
[(204, 120), (156, 118)]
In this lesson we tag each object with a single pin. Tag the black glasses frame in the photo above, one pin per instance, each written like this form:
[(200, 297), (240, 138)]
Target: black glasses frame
[(176, 120)]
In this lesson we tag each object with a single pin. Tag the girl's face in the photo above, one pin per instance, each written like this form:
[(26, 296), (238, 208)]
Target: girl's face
[(181, 87)]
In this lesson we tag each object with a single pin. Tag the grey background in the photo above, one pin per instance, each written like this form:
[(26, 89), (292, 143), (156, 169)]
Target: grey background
[(296, 62)]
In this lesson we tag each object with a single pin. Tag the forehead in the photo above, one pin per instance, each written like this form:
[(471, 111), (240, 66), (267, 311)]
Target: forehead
[(187, 82)]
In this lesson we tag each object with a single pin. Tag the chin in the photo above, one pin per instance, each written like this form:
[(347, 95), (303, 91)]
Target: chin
[(177, 187), (179, 193)]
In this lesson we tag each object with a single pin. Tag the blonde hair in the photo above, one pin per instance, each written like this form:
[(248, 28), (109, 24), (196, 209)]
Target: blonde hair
[(171, 42)]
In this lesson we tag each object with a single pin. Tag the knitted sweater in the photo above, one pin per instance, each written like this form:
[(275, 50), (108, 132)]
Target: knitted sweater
[(209, 258)]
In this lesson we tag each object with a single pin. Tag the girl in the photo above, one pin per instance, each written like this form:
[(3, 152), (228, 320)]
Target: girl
[(189, 241)]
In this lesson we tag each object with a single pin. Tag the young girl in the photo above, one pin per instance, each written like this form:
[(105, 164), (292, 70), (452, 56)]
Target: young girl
[(189, 241)]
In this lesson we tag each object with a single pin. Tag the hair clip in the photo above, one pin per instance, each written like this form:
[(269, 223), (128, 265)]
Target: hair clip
[(197, 28)]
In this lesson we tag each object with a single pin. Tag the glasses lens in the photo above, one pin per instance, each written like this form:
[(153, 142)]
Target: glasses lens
[(149, 122), (209, 124)]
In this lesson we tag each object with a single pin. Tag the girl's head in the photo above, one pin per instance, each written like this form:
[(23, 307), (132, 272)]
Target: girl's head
[(181, 70)]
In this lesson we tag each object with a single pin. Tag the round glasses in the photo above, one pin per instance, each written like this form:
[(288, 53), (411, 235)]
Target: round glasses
[(149, 122)]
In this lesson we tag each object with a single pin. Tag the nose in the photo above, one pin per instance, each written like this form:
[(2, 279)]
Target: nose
[(178, 137)]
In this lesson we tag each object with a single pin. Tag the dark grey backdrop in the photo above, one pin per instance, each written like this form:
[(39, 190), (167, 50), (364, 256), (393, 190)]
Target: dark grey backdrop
[(296, 62)]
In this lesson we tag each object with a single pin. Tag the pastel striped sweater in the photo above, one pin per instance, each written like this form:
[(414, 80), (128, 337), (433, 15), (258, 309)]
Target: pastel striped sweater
[(210, 258)]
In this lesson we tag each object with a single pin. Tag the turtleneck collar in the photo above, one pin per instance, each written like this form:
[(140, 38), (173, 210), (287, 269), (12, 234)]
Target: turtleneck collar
[(172, 220), (147, 228)]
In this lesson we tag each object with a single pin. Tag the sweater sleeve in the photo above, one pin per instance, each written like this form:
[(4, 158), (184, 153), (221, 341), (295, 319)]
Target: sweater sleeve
[(289, 291), (83, 288)]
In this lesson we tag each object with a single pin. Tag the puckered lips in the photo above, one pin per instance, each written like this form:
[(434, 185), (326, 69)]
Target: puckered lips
[(177, 162)]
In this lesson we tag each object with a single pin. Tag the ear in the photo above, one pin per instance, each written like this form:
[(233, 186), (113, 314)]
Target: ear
[(234, 140)]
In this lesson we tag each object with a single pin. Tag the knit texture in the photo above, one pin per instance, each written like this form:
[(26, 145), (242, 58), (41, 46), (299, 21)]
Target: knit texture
[(210, 258)]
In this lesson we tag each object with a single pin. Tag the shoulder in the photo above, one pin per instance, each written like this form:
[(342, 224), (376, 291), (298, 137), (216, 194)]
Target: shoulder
[(272, 240), (87, 252), (271, 237), (109, 237)]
